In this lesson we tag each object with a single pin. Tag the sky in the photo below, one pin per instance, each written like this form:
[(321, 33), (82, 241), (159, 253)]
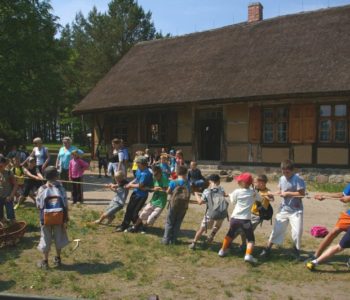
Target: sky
[(179, 17)]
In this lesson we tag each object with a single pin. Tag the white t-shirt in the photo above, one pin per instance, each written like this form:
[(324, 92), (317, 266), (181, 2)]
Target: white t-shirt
[(243, 200), (40, 155)]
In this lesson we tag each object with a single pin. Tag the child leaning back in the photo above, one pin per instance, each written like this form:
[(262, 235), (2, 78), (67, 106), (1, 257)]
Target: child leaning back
[(118, 201), (243, 198)]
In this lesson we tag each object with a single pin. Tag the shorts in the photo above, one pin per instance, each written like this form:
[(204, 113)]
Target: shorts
[(113, 208), (31, 186), (52, 232), (102, 162), (150, 213), (345, 241), (209, 223), (343, 222), (245, 225)]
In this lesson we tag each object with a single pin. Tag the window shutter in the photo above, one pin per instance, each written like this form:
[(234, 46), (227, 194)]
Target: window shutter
[(255, 124), (295, 124), (309, 123)]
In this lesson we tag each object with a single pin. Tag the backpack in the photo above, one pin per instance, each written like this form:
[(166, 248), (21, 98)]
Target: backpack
[(180, 198), (265, 213), (319, 231), (54, 211), (217, 205)]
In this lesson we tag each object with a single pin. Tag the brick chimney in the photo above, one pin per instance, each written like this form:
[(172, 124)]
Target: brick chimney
[(255, 12)]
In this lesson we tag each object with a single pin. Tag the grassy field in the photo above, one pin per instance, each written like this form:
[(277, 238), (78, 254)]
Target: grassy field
[(110, 265)]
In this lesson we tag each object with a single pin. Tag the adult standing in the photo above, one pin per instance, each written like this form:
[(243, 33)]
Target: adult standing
[(64, 157), (118, 158), (40, 153)]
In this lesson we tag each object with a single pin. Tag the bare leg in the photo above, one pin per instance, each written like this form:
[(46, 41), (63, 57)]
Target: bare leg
[(327, 241), (198, 234), (329, 253)]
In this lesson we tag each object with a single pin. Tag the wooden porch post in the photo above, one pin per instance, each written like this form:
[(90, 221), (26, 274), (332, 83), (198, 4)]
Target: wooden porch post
[(194, 133)]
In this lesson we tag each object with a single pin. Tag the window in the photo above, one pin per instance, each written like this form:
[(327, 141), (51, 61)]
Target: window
[(333, 123), (120, 127), (156, 127), (275, 125)]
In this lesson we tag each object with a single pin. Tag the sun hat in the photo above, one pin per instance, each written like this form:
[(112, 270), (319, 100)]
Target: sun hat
[(141, 160)]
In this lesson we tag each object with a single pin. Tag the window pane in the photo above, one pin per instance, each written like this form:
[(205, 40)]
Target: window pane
[(268, 133), (282, 132), (340, 110), (325, 130), (268, 113), (325, 111), (154, 133), (340, 130)]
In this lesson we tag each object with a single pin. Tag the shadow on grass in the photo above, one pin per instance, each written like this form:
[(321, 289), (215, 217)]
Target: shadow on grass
[(92, 268), (13, 252), (6, 285), (159, 231)]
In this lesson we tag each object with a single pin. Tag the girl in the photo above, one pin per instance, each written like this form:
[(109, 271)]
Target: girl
[(77, 166)]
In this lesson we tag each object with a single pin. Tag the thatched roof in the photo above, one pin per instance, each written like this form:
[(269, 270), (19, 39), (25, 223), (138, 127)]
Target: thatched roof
[(295, 54)]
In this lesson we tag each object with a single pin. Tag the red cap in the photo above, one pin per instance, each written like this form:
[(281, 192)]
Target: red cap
[(245, 177)]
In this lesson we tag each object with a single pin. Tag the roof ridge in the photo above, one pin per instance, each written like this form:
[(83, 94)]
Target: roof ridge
[(244, 24)]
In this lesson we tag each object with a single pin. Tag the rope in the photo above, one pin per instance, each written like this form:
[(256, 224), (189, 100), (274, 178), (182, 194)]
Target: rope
[(63, 181)]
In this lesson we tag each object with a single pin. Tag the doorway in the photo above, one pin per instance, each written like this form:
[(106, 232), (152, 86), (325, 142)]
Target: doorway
[(209, 134)]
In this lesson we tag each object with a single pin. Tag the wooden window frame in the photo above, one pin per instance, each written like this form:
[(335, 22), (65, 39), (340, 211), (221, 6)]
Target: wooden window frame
[(159, 119), (332, 118), (275, 120), (120, 127)]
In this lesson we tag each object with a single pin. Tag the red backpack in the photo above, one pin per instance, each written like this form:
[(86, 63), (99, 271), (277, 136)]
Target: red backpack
[(319, 231)]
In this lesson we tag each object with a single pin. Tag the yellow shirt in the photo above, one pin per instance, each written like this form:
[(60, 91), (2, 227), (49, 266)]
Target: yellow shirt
[(19, 173), (264, 201)]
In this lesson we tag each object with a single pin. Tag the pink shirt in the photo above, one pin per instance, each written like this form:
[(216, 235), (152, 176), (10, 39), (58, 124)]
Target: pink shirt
[(77, 166)]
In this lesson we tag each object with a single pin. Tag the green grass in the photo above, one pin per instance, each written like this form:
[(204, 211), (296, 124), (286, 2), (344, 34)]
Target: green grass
[(110, 265), (325, 187)]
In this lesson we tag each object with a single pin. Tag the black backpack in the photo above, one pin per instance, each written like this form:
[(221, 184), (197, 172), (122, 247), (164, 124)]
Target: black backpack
[(265, 213)]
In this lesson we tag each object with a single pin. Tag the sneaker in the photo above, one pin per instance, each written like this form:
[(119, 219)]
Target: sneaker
[(96, 222), (265, 253), (131, 229), (43, 264), (16, 206), (223, 253), (120, 229), (249, 258), (192, 246), (310, 265), (310, 258), (57, 261), (165, 242)]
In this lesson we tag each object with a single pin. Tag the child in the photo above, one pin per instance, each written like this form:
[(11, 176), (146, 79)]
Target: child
[(102, 156), (244, 198), (214, 193), (52, 197), (18, 172), (172, 160), (164, 165), (118, 201), (292, 189), (180, 194), (195, 177), (134, 165), (266, 198), (343, 224), (154, 208), (179, 157), (77, 166), (8, 188), (32, 182), (141, 185)]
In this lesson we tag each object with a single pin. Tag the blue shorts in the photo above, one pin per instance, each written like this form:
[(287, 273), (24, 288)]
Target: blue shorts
[(345, 241)]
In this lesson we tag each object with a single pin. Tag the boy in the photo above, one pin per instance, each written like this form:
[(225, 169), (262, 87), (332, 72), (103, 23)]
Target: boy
[(8, 188), (292, 189), (32, 182), (152, 210), (164, 165), (244, 198), (118, 201), (141, 185), (195, 177), (266, 198), (209, 221), (179, 190), (52, 197), (343, 224)]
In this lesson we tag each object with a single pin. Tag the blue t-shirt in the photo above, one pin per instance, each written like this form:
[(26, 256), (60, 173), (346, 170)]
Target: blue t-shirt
[(293, 184), (174, 183), (165, 168), (64, 155), (143, 177), (346, 192)]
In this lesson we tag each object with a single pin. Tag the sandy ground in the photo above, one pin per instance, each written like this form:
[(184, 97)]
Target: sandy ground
[(323, 213)]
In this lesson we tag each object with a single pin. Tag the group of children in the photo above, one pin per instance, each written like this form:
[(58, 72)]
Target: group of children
[(251, 204)]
